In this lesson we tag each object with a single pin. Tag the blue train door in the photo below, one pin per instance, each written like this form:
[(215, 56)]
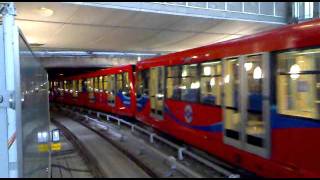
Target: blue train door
[(246, 103)]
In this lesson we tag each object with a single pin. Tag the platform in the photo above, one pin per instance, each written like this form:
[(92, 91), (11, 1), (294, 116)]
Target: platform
[(110, 161)]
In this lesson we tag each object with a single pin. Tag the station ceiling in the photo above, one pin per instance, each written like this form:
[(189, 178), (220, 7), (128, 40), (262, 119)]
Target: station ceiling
[(81, 27)]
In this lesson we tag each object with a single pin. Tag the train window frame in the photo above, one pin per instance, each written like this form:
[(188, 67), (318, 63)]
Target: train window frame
[(277, 73), (100, 84), (142, 84), (95, 84), (80, 85), (126, 87), (105, 83), (218, 61), (243, 143), (178, 77), (195, 82)]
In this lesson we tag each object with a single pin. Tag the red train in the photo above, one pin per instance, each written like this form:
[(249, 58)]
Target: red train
[(110, 90), (252, 101)]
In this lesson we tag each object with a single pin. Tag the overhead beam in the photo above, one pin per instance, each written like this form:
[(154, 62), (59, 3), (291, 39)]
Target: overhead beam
[(84, 62)]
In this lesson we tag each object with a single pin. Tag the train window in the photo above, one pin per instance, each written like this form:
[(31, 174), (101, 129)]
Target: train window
[(126, 84), (211, 83), (173, 82), (90, 85), (74, 89), (255, 125), (91, 88), (190, 84), (142, 85), (84, 85), (69, 86), (65, 85), (111, 96), (61, 88), (96, 84), (79, 85), (231, 87), (119, 85), (298, 83), (100, 84), (105, 84)]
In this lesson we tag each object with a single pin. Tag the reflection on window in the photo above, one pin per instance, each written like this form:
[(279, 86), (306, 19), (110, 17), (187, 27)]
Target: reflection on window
[(80, 86), (90, 84), (298, 83), (211, 83), (105, 83), (100, 84), (111, 95), (96, 84), (74, 89), (126, 84), (189, 83), (255, 126), (231, 87), (119, 83), (173, 82), (84, 85), (142, 84)]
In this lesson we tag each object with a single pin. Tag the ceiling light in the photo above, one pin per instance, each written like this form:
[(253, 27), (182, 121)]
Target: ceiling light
[(45, 12)]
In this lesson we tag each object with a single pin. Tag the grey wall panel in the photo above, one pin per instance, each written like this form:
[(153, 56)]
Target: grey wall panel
[(198, 4), (281, 9), (217, 5), (266, 8), (234, 6), (251, 7)]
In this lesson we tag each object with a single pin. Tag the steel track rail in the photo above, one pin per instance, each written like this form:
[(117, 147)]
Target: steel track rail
[(181, 151)]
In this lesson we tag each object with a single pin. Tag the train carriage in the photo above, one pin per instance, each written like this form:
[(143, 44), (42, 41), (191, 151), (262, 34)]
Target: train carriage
[(252, 101), (110, 90)]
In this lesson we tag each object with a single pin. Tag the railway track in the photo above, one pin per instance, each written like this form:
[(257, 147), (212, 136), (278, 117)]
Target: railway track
[(155, 155)]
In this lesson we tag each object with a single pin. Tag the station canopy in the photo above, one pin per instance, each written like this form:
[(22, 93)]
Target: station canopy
[(67, 26)]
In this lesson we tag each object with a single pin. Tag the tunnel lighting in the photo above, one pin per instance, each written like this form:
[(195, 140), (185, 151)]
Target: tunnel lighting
[(45, 12), (294, 70), (257, 73), (194, 57), (207, 55)]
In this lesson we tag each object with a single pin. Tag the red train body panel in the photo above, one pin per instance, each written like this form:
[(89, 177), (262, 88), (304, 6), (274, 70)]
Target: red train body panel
[(289, 146), (293, 153)]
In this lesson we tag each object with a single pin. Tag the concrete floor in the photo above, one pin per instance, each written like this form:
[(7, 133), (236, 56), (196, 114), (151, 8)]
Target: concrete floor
[(67, 163)]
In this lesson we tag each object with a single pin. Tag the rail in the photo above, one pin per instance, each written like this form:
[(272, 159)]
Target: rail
[(181, 151)]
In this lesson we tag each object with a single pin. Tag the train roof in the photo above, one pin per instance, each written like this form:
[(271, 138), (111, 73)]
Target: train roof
[(288, 37)]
